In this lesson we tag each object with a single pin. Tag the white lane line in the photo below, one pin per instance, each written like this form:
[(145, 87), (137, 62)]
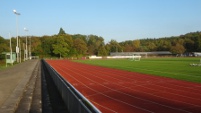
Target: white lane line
[(105, 107)]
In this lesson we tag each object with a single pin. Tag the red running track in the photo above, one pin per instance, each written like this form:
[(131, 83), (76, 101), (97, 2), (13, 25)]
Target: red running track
[(113, 90)]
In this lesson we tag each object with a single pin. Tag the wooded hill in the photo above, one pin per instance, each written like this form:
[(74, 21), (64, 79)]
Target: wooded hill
[(66, 45)]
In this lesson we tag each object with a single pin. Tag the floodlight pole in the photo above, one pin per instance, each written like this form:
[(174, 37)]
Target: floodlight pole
[(20, 53), (11, 53), (30, 56), (17, 47), (26, 51)]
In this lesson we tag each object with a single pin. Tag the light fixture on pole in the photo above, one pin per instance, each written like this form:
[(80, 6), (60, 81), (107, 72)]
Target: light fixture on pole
[(17, 47), (26, 51)]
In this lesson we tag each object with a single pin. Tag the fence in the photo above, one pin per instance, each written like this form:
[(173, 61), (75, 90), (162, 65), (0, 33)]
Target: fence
[(74, 100)]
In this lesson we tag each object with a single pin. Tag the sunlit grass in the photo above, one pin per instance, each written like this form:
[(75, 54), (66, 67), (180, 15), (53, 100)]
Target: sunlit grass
[(178, 68), (2, 64)]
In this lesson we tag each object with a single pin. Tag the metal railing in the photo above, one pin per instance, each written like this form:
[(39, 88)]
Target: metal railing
[(74, 100)]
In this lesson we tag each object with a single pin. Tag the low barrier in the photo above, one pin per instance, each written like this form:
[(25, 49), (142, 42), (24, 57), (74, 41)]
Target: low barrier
[(74, 100)]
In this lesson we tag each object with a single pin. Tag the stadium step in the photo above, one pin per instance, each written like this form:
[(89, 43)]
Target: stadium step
[(35, 93), (31, 99)]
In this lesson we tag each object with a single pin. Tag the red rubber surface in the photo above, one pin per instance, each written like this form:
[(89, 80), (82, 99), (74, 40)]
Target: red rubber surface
[(112, 90)]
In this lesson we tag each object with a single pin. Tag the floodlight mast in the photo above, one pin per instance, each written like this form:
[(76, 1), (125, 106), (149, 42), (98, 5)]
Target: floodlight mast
[(30, 57), (17, 47), (11, 53), (26, 51)]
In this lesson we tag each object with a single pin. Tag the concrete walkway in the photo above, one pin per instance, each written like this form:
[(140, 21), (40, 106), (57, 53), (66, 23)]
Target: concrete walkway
[(14, 80)]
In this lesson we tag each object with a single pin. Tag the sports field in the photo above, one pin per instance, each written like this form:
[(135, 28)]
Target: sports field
[(120, 91), (178, 68)]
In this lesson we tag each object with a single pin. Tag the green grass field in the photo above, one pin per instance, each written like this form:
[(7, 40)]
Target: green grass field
[(2, 64), (178, 68)]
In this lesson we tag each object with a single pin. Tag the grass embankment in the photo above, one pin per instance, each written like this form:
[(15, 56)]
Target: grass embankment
[(177, 68), (2, 64)]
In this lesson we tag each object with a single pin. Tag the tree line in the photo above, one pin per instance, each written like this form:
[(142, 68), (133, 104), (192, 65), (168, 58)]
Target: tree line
[(78, 45)]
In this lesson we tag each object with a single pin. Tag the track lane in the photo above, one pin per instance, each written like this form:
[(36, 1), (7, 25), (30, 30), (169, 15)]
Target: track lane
[(157, 96), (131, 79), (109, 100)]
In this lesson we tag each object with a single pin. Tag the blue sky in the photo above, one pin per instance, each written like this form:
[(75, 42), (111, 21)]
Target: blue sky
[(112, 19)]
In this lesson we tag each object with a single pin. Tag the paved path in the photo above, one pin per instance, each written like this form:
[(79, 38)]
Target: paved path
[(14, 79)]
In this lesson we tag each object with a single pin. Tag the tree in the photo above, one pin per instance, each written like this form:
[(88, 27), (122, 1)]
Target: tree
[(94, 42), (4, 45), (60, 46), (189, 45), (197, 39), (151, 46), (61, 32), (199, 44), (163, 45), (83, 37), (64, 45), (102, 51), (114, 46), (46, 45), (80, 47), (136, 45), (178, 49), (128, 48)]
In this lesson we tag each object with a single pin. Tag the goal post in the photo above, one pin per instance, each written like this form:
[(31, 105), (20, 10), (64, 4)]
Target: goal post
[(135, 57)]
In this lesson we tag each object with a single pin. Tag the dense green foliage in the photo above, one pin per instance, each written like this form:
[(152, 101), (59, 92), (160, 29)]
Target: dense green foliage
[(178, 68), (77, 46)]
